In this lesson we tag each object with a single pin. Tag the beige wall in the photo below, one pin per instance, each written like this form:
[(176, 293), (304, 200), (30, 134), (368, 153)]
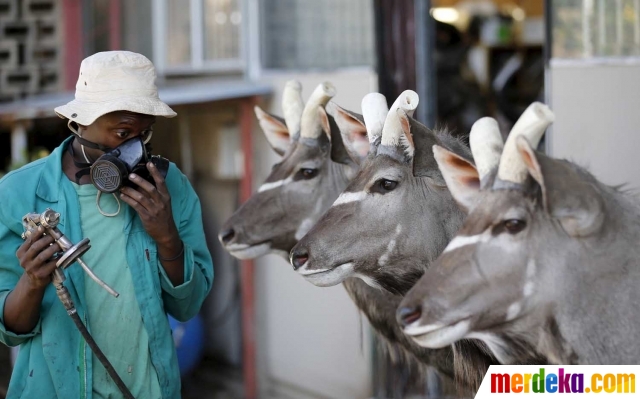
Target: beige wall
[(597, 119), (309, 338)]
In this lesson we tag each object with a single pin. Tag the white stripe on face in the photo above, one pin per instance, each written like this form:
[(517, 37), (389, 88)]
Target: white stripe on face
[(346, 198), (275, 184), (463, 241)]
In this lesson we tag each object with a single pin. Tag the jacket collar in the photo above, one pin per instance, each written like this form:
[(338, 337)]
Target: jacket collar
[(49, 184)]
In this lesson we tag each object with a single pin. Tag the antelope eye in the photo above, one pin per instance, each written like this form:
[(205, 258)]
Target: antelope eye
[(514, 226), (384, 185), (307, 173)]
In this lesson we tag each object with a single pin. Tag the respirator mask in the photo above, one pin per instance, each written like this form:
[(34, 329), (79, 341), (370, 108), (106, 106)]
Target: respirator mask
[(111, 170)]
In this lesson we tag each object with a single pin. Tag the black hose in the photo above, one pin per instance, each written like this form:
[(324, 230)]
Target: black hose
[(96, 351), (71, 310)]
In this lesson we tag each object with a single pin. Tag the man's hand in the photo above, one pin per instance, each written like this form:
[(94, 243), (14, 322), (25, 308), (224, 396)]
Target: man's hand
[(153, 205), (22, 305), (35, 255)]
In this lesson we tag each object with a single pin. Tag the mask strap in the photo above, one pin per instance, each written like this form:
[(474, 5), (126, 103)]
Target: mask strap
[(103, 213), (73, 129), (78, 136), (84, 168), (148, 138), (85, 142)]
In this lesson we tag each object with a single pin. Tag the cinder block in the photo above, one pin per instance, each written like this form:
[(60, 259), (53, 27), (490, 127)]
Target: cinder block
[(49, 80), (20, 31), (25, 79), (35, 9), (8, 54), (8, 10), (45, 28), (8, 98), (44, 53)]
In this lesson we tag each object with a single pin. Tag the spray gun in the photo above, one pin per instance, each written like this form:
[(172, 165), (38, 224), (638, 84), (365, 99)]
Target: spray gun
[(49, 219), (70, 253)]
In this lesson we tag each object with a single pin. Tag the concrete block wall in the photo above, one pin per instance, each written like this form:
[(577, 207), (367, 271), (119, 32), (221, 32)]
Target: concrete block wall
[(30, 48)]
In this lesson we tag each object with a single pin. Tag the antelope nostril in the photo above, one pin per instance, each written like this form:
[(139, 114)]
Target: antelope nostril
[(227, 235), (299, 258), (408, 315)]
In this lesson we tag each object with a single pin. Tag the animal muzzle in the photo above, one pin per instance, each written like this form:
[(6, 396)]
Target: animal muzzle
[(407, 315), (298, 257), (226, 236)]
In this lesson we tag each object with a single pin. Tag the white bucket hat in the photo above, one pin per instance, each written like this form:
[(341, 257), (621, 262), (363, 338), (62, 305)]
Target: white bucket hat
[(114, 81)]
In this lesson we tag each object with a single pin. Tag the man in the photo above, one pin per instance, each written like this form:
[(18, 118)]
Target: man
[(147, 242)]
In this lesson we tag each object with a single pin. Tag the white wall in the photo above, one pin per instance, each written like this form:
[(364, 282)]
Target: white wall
[(311, 342), (597, 110)]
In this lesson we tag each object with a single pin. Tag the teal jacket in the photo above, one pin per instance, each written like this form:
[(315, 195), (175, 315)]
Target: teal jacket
[(54, 360)]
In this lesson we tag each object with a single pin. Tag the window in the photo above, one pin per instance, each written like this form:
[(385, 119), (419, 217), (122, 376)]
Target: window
[(322, 34), (584, 29), (198, 35)]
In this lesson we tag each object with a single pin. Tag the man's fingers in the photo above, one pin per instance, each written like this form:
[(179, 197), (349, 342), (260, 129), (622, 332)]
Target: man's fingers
[(39, 245), (47, 253), (139, 197), (137, 206), (33, 237), (157, 177), (48, 268), (143, 184)]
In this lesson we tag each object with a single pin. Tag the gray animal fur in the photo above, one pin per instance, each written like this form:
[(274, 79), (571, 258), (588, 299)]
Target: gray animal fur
[(273, 217), (361, 233), (571, 273)]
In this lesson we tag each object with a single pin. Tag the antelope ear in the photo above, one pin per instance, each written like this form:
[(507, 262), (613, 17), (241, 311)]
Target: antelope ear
[(275, 129), (567, 196), (406, 138), (460, 175), (353, 135), (422, 141), (330, 128)]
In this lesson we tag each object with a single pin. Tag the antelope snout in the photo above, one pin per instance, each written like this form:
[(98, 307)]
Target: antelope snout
[(408, 314), (298, 257), (226, 235)]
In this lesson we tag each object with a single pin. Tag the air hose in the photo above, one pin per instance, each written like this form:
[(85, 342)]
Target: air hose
[(71, 253), (66, 300)]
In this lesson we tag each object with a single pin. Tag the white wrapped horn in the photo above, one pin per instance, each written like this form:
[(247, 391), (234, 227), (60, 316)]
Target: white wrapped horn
[(408, 102), (532, 125), (374, 112), (292, 106), (486, 145), (310, 123)]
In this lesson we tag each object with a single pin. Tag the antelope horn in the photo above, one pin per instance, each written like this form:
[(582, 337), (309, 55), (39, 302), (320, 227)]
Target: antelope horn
[(310, 126), (532, 124), (486, 145), (408, 102), (292, 106), (374, 112)]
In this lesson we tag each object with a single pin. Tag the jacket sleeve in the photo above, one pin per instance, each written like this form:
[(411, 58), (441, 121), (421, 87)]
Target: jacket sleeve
[(183, 302), (10, 273)]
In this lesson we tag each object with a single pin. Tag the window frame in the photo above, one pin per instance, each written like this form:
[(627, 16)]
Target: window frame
[(198, 64)]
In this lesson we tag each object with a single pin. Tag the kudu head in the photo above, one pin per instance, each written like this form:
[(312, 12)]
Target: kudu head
[(395, 216), (528, 214), (314, 169)]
